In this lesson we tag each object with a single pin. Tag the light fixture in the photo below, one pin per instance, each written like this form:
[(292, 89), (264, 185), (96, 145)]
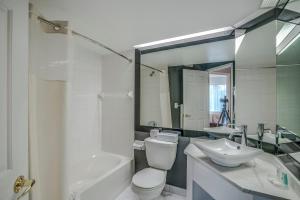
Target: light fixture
[(284, 32), (268, 3), (289, 44), (184, 37), (238, 42)]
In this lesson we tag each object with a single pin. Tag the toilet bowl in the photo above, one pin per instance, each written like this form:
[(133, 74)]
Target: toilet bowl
[(161, 153), (148, 183)]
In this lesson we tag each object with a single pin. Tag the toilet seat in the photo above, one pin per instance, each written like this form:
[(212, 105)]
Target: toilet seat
[(149, 179)]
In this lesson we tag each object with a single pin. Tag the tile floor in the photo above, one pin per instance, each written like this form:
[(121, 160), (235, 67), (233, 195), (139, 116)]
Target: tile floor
[(128, 194)]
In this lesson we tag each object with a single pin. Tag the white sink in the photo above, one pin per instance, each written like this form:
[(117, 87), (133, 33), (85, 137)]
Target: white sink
[(227, 153)]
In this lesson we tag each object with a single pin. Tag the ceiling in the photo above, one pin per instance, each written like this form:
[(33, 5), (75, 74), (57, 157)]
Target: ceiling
[(122, 24)]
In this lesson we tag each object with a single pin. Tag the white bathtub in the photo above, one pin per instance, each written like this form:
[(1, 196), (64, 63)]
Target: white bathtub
[(102, 177)]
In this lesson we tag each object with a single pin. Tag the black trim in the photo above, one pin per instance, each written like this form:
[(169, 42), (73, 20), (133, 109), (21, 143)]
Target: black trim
[(187, 44), (259, 21), (288, 16), (137, 90)]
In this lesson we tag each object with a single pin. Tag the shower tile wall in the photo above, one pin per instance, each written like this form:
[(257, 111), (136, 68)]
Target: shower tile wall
[(118, 108), (85, 116)]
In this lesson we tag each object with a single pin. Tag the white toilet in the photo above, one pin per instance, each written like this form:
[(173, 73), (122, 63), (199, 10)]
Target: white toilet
[(161, 153)]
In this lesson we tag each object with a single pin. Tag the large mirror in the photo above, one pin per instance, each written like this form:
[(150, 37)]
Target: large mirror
[(256, 77), (288, 67), (251, 76), (190, 87)]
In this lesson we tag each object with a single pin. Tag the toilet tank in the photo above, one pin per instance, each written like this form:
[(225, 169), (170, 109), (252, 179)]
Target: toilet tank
[(160, 154)]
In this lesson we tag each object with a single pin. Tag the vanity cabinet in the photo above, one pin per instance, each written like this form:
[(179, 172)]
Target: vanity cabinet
[(250, 181)]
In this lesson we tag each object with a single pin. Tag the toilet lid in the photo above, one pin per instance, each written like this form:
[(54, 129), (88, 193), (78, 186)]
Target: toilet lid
[(149, 178)]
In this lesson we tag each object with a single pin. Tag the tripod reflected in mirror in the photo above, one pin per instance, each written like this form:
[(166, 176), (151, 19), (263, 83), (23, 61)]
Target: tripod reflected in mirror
[(224, 118)]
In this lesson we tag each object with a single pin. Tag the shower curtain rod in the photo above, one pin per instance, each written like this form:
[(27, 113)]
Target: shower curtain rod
[(58, 26), (151, 68)]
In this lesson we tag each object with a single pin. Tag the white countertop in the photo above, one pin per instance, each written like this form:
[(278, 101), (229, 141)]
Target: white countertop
[(269, 138), (251, 177), (296, 156)]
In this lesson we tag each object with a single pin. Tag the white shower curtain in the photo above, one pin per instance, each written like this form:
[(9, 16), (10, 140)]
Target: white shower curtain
[(165, 103), (47, 93)]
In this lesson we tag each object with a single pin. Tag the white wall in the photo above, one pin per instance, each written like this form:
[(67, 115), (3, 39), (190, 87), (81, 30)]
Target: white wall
[(117, 108), (84, 128), (256, 85)]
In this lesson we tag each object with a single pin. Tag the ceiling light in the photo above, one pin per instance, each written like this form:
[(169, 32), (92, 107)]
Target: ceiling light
[(269, 3), (289, 44), (184, 37), (238, 42), (283, 33)]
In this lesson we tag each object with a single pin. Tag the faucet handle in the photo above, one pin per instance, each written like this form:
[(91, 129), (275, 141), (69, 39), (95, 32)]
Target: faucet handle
[(244, 128), (230, 125)]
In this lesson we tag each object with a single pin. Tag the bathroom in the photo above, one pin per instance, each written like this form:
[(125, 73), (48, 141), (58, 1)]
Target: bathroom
[(128, 100)]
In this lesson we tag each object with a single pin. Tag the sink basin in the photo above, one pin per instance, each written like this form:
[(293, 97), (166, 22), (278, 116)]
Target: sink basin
[(227, 153)]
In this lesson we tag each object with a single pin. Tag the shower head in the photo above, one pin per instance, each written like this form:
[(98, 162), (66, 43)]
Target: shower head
[(152, 73)]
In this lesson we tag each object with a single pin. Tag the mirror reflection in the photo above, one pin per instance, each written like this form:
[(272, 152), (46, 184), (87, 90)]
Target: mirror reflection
[(192, 88), (249, 78), (288, 68)]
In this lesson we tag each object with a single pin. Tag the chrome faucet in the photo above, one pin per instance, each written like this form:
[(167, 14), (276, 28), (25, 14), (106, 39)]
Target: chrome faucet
[(242, 133), (260, 133)]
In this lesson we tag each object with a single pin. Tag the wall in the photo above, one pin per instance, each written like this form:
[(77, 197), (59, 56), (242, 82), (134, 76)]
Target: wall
[(84, 109), (117, 107), (256, 84)]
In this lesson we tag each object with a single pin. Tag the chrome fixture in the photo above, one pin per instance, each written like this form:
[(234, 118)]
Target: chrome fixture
[(58, 27), (260, 133), (242, 133), (147, 66), (62, 27), (152, 73)]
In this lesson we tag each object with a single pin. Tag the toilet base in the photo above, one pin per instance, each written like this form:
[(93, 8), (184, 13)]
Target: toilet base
[(147, 194)]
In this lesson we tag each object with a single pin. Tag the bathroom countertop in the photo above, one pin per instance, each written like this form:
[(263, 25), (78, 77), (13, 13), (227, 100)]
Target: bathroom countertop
[(269, 138), (251, 177)]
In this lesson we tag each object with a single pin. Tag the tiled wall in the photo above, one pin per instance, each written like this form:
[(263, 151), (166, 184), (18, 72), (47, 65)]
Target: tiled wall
[(117, 107), (84, 133)]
